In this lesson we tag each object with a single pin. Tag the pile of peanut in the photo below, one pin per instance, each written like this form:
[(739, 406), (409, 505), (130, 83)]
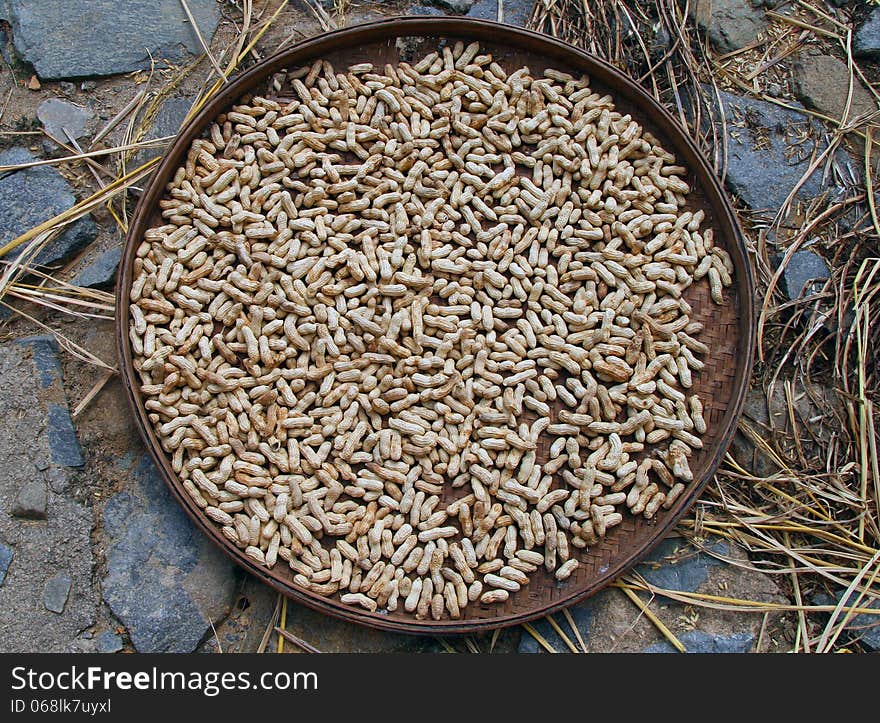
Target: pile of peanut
[(421, 330)]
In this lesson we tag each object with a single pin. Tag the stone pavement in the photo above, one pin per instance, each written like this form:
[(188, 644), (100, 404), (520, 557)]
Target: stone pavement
[(30, 196), (95, 555), (47, 559), (62, 549), (73, 38)]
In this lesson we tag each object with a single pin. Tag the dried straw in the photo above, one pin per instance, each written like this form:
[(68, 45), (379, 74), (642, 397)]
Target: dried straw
[(813, 523), (34, 293)]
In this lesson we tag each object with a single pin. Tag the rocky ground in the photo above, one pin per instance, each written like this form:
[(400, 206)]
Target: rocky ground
[(94, 553)]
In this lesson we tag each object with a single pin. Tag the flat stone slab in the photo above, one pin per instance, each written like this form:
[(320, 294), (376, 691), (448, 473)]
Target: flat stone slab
[(459, 7), (165, 580), (33, 195), (866, 39), (31, 501), (6, 555), (56, 591), (729, 24), (47, 593), (821, 82), (168, 122), (100, 271), (804, 269), (766, 155), (610, 622), (516, 12), (697, 642), (64, 449), (424, 10), (676, 566), (58, 116), (75, 38), (108, 642)]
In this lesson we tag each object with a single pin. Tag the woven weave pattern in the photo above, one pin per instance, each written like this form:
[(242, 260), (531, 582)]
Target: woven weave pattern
[(720, 385)]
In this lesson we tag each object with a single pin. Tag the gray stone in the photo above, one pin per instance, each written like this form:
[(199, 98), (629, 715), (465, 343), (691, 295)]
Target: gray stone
[(100, 271), (108, 642), (31, 380), (661, 42), (863, 627), (815, 408), (424, 10), (168, 121), (675, 565), (33, 195), (165, 580), (6, 51), (64, 447), (31, 500), (763, 166), (72, 38), (697, 642), (516, 12), (821, 82), (6, 555), (866, 39), (459, 7), (56, 591), (729, 24), (751, 456), (44, 352), (58, 116), (803, 268)]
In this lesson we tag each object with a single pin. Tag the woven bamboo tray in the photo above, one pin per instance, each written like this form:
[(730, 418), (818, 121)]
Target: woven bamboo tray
[(728, 329)]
